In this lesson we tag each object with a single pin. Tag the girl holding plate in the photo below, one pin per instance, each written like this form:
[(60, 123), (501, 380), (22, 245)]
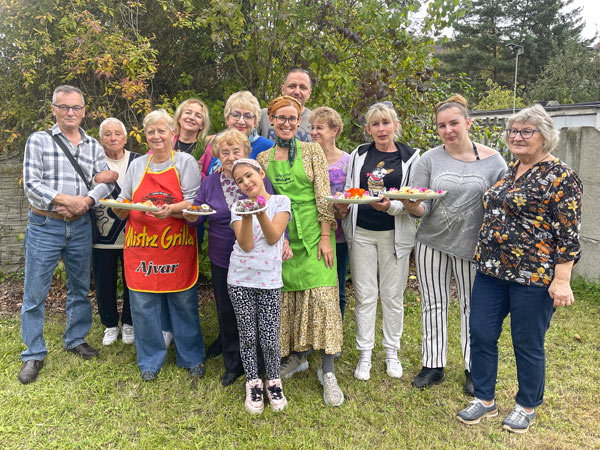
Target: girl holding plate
[(447, 232)]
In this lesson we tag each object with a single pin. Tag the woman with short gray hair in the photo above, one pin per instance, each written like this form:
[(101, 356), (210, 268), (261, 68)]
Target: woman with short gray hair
[(108, 250), (161, 255), (528, 244)]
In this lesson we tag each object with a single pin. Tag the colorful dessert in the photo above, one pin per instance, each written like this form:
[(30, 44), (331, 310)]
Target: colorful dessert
[(353, 194), (247, 205), (200, 208)]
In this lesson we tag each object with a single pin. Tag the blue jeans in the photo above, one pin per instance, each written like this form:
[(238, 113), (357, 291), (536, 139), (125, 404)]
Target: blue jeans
[(149, 342), (530, 309), (165, 317), (341, 252), (45, 240)]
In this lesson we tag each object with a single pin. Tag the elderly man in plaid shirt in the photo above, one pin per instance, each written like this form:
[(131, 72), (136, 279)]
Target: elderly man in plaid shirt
[(59, 225)]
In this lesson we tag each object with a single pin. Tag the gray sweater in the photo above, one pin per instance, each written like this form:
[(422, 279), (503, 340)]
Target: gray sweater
[(187, 169), (451, 224)]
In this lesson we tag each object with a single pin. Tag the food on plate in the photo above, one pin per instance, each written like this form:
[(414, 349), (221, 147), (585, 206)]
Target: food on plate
[(200, 208), (353, 194), (415, 190), (247, 205)]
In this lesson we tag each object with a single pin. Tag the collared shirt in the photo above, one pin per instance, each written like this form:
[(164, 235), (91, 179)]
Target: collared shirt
[(48, 172), (530, 224)]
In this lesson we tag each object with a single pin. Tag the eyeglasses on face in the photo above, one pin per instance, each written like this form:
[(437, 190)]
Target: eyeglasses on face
[(238, 115), (65, 108), (282, 119), (525, 134)]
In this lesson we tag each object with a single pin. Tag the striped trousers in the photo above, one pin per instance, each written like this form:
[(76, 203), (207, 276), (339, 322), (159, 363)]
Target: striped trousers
[(435, 269)]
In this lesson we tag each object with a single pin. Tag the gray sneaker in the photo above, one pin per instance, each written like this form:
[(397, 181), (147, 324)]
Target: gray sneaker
[(476, 411), (518, 420), (294, 364), (332, 394)]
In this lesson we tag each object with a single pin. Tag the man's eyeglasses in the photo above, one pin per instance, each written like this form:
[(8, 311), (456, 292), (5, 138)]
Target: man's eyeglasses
[(65, 108), (282, 119), (238, 115), (525, 134)]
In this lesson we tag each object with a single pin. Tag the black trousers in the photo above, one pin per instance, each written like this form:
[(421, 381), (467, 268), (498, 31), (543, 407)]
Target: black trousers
[(230, 337), (105, 263)]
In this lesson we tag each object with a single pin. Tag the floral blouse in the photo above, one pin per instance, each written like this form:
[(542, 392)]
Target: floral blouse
[(530, 224)]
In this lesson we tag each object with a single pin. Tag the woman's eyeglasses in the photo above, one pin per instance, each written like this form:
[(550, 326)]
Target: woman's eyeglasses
[(282, 119), (525, 134), (238, 115)]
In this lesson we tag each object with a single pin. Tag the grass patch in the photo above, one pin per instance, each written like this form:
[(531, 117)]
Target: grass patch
[(104, 404)]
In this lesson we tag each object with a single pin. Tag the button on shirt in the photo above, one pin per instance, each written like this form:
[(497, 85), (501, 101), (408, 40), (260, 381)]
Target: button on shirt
[(47, 171)]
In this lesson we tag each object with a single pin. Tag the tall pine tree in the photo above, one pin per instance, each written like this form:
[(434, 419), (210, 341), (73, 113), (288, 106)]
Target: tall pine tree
[(479, 45)]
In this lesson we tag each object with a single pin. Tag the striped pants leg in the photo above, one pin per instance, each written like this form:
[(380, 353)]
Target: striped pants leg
[(434, 270)]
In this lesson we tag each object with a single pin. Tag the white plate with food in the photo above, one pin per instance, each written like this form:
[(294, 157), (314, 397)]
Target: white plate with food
[(245, 213), (132, 206), (353, 201), (397, 195), (199, 211)]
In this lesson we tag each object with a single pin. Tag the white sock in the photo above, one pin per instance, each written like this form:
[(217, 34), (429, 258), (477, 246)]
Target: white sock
[(391, 354), (365, 355)]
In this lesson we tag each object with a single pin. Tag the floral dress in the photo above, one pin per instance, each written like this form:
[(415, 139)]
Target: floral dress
[(531, 224)]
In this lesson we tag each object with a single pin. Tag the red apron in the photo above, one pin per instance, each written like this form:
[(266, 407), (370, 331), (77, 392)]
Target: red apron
[(160, 255)]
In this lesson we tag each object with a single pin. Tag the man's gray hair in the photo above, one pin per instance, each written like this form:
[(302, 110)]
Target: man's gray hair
[(109, 121), (67, 89)]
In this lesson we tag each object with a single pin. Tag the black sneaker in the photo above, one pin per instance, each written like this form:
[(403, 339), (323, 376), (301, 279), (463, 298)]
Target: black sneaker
[(428, 376), (468, 387)]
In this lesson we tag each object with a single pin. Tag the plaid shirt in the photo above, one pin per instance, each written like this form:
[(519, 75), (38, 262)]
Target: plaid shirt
[(47, 171)]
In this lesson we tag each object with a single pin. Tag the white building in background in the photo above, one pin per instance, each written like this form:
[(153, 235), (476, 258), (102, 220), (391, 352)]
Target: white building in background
[(564, 116)]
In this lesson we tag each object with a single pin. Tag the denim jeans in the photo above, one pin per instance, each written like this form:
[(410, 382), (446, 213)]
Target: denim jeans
[(530, 309), (165, 316), (45, 240), (341, 253), (149, 342)]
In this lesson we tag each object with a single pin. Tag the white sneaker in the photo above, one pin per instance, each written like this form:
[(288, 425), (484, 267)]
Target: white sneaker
[(275, 395), (127, 334), (394, 368), (363, 370), (254, 396), (110, 335), (332, 394), (168, 337)]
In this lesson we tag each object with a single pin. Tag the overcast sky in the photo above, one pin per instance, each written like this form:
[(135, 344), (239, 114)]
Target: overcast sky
[(590, 14)]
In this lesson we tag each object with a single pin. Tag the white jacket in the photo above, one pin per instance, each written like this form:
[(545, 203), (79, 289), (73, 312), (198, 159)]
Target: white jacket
[(405, 229)]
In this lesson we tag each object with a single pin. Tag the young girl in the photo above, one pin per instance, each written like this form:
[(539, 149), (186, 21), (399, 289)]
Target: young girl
[(254, 282)]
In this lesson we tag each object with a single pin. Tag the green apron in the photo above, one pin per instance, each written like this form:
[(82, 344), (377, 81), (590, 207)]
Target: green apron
[(303, 271)]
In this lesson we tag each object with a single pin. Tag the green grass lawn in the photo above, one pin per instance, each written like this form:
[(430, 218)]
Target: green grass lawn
[(103, 403)]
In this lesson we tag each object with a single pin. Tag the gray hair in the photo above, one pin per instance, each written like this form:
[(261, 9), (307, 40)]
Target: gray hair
[(243, 100), (67, 89), (110, 120), (537, 116), (157, 115), (379, 111)]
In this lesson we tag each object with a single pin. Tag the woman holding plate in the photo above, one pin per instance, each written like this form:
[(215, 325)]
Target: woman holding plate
[(220, 192), (447, 232), (310, 312), (161, 256), (381, 232)]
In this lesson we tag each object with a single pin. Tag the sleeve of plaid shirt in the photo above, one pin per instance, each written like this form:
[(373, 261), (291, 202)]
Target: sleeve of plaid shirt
[(43, 178)]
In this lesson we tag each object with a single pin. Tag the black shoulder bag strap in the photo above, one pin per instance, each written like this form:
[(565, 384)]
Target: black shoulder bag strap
[(71, 159), (88, 184)]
